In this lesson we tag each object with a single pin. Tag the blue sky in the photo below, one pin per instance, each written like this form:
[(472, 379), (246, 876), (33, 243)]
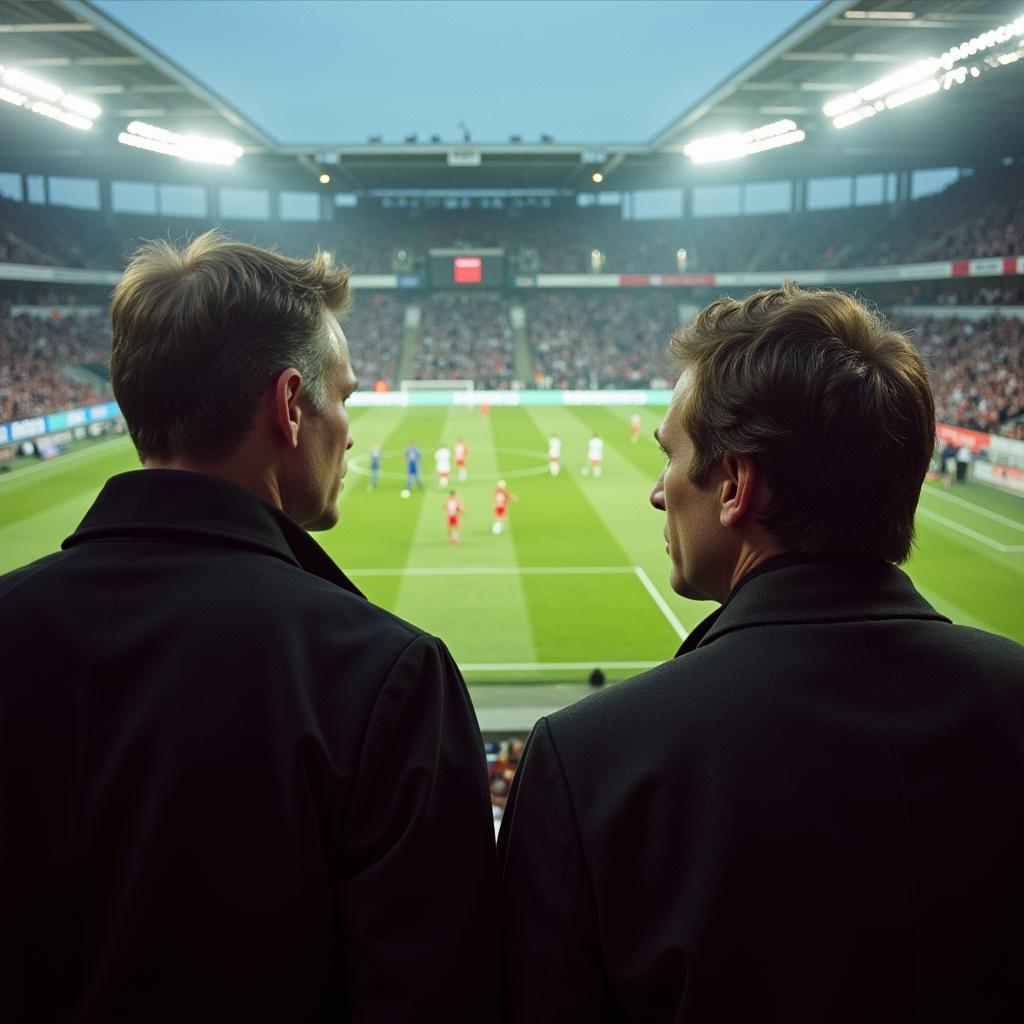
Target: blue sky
[(340, 70)]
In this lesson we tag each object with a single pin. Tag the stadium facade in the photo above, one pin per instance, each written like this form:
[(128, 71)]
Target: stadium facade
[(871, 147)]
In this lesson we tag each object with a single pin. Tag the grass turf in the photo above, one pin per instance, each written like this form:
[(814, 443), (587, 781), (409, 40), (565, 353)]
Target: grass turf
[(579, 577)]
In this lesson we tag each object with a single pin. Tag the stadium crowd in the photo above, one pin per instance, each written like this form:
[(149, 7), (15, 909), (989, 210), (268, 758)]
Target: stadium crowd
[(976, 369), (600, 340), (466, 337), (502, 763), (578, 339), (979, 215), (374, 328), (35, 355)]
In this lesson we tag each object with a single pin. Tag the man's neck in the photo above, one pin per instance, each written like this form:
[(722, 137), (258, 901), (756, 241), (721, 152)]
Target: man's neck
[(752, 557), (263, 483), (780, 560)]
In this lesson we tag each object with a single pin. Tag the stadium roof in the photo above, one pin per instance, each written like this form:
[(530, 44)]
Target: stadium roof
[(842, 46)]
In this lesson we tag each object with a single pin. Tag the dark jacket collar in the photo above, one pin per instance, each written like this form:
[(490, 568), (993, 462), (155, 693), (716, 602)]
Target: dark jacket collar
[(174, 504), (791, 592)]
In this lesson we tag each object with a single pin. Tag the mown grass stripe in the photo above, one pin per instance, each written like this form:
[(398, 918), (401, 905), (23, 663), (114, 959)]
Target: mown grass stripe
[(982, 538), (377, 528), (604, 510), (481, 621), (974, 507), (555, 666), (501, 570)]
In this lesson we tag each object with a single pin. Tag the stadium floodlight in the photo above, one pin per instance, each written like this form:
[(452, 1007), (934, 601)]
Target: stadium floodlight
[(736, 145), (57, 114), (879, 15), (77, 105), (925, 77), (915, 92), (853, 116), (16, 99), (32, 86), (195, 148), (46, 99), (787, 139)]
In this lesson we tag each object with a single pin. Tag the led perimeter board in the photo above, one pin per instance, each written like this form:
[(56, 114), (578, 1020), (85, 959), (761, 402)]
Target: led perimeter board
[(466, 268)]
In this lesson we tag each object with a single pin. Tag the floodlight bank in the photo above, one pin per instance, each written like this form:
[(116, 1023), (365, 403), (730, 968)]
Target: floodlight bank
[(41, 97), (918, 79)]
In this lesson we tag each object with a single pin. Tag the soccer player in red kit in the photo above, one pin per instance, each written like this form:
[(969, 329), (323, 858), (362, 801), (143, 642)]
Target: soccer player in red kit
[(461, 451), (634, 428), (502, 497), (453, 508)]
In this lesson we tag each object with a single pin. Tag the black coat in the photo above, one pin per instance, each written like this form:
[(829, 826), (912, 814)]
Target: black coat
[(814, 814), (231, 788)]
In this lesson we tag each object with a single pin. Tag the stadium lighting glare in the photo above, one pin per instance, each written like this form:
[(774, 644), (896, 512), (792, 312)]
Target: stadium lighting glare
[(736, 145), (853, 116), (919, 79), (14, 98), (64, 116), (41, 97), (720, 147), (915, 92), (194, 148), (324, 179), (86, 108), (774, 143), (32, 86), (879, 15)]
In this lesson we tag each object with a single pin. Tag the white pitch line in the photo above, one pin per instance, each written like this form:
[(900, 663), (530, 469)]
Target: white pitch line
[(498, 570), (555, 666), (62, 460), (968, 532), (660, 602), (964, 503)]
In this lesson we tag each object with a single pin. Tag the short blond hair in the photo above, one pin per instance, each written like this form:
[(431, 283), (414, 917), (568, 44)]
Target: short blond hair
[(830, 402), (198, 332)]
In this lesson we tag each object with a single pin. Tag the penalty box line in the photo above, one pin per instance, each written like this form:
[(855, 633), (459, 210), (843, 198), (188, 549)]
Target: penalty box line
[(540, 570)]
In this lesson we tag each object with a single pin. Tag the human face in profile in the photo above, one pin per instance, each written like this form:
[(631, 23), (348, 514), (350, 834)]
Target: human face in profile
[(325, 439), (693, 533)]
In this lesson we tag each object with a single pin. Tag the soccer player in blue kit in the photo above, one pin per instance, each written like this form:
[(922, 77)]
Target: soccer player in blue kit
[(412, 468), (375, 459)]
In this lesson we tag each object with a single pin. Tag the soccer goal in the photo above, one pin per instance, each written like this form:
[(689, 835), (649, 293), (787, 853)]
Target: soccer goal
[(437, 385)]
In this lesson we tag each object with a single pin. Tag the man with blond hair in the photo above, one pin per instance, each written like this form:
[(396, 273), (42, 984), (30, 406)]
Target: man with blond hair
[(233, 789), (813, 813)]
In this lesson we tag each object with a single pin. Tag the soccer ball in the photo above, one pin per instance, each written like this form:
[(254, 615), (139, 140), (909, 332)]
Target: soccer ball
[(405, 493)]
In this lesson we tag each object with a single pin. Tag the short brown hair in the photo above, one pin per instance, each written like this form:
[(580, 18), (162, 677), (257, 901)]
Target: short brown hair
[(199, 332), (831, 404)]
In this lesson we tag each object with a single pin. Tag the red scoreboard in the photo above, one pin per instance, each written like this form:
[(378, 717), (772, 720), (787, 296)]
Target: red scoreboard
[(466, 268)]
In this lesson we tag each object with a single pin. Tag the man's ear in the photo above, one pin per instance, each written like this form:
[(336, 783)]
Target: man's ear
[(739, 490), (285, 412)]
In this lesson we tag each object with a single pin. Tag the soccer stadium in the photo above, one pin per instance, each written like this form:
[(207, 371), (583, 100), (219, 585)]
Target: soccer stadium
[(512, 306), (506, 294)]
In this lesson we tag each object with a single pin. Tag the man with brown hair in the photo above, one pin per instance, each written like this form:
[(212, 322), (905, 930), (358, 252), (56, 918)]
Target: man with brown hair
[(813, 813), (233, 789)]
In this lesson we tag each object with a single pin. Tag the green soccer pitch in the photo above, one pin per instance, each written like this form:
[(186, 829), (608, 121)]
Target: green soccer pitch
[(578, 580)]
